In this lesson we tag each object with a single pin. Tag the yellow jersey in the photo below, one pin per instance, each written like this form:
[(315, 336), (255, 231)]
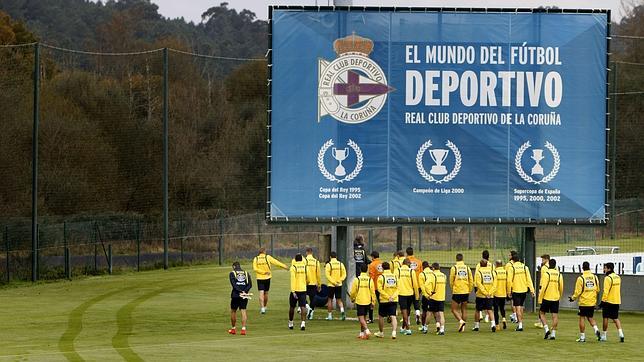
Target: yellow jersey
[(551, 287), (485, 282), (519, 278), (298, 276), (460, 278), (262, 266), (313, 270), (335, 273), (501, 277), (586, 289), (407, 282), (396, 263), (612, 289), (387, 287), (363, 291), (422, 281), (435, 286)]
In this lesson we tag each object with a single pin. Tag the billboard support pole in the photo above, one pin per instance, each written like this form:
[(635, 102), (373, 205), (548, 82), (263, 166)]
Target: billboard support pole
[(529, 253), (613, 156), (342, 245)]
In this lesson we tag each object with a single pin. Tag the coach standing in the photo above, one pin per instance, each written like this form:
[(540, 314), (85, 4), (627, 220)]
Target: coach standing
[(262, 267)]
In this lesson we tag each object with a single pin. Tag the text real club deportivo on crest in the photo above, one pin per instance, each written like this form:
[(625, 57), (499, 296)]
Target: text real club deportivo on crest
[(352, 88)]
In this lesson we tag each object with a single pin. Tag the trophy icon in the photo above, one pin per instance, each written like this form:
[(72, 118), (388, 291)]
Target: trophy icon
[(340, 155), (439, 156), (537, 156)]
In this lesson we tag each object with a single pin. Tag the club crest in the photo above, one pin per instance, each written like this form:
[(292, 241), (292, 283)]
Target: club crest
[(352, 88)]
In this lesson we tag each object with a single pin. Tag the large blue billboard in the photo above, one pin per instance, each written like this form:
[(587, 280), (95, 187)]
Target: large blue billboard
[(391, 116)]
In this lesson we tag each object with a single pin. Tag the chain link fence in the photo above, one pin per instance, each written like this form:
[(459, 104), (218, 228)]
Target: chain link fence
[(101, 145)]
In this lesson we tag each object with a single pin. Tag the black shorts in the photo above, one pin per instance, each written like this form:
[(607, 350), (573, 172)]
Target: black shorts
[(586, 311), (549, 306), (425, 303), (483, 304), (264, 285), (335, 292), (405, 301), (238, 303), (362, 310), (387, 309), (299, 301), (436, 306), (610, 311), (417, 303), (311, 291), (518, 299), (460, 298)]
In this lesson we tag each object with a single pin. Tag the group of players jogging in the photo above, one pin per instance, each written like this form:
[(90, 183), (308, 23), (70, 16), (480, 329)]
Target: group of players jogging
[(406, 282)]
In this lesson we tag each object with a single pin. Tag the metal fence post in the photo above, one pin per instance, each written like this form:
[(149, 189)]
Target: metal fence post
[(34, 166), (469, 237), (259, 230), (6, 245), (420, 238), (165, 158), (370, 235), (138, 246), (109, 258), (272, 250), (297, 231), (66, 250), (221, 240), (95, 248)]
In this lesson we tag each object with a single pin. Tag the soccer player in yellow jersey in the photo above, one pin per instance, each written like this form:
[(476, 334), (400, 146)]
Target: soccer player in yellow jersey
[(262, 267), (485, 288), (586, 291), (415, 264), (485, 255), (545, 258), (387, 288), (298, 290), (424, 295), (519, 283), (551, 289), (335, 273), (461, 282), (500, 293), (397, 261), (611, 299), (375, 270), (314, 281), (508, 265), (435, 287), (407, 291), (363, 294)]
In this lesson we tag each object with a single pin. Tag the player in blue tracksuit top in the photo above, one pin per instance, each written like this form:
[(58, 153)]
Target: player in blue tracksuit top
[(241, 283)]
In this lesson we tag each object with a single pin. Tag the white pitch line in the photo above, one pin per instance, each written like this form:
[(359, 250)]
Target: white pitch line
[(211, 343)]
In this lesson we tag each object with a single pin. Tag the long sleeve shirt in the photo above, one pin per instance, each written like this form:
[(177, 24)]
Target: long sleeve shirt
[(240, 282), (262, 266), (335, 273), (586, 289)]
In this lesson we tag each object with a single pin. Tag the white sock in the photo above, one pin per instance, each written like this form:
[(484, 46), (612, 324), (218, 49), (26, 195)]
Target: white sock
[(461, 321), (442, 328), (545, 328), (367, 331), (520, 324), (595, 328), (303, 324), (263, 309), (582, 336), (290, 323), (438, 325), (604, 334), (553, 333), (621, 333), (243, 328), (417, 313), (341, 309), (476, 324), (493, 323), (361, 333)]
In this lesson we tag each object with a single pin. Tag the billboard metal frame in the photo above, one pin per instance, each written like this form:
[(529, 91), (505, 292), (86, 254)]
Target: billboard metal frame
[(527, 222)]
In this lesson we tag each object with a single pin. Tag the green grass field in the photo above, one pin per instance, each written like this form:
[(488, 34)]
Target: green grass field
[(183, 314)]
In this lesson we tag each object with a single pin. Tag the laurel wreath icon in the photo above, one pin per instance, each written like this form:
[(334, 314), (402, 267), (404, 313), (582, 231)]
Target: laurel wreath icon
[(329, 176), (527, 178), (450, 176)]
